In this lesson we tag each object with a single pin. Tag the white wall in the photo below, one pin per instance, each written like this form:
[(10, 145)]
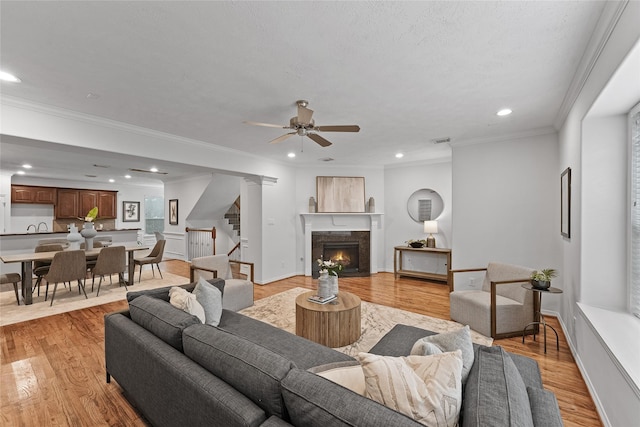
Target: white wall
[(585, 339), (604, 216), (506, 206), (400, 182)]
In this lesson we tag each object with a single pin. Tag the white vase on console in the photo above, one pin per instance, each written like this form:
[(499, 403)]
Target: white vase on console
[(74, 237), (88, 232)]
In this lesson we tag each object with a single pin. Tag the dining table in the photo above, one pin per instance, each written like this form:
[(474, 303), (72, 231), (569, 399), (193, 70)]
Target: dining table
[(28, 258)]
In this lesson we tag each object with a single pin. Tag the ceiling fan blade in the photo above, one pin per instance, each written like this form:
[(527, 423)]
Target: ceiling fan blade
[(265, 124), (304, 115), (320, 140), (282, 138), (345, 128)]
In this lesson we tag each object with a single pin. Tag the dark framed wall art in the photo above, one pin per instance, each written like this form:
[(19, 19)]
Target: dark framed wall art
[(130, 211), (565, 203), (173, 212)]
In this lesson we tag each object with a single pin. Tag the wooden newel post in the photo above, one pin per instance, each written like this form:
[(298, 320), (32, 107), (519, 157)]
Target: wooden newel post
[(213, 237)]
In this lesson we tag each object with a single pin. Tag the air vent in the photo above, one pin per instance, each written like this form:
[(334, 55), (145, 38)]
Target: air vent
[(102, 166), (326, 159), (91, 176), (441, 140), (146, 171)]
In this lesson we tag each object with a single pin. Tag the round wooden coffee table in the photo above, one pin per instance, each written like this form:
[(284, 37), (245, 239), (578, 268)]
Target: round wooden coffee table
[(334, 324)]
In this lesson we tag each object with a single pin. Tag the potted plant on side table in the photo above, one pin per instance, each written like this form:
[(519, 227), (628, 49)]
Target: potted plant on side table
[(542, 279)]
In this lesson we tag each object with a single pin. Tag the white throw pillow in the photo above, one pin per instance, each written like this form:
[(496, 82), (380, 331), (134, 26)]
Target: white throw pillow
[(210, 298), (425, 388), (347, 374), (185, 300), (459, 339)]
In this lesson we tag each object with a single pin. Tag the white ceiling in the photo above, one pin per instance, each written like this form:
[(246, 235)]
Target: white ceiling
[(406, 72)]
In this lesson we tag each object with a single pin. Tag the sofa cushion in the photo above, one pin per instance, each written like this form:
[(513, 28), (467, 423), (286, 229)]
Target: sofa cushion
[(303, 353), (426, 388), (186, 301), (495, 394), (251, 369), (459, 339), (210, 298), (163, 293), (399, 340), (544, 407), (313, 401), (162, 319)]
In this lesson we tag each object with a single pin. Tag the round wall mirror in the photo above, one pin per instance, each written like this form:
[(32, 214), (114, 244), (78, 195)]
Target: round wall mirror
[(425, 205)]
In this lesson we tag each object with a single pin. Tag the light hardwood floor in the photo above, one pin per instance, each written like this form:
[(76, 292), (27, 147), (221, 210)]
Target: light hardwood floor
[(52, 369)]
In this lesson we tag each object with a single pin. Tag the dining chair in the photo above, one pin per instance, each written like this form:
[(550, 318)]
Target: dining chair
[(40, 268), (12, 278), (92, 259), (66, 266), (111, 260), (154, 257)]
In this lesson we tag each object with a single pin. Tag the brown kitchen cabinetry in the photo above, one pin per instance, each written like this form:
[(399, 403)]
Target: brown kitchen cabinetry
[(31, 194), (74, 204)]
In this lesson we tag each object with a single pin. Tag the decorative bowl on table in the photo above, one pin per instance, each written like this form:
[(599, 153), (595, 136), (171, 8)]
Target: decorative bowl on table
[(416, 244)]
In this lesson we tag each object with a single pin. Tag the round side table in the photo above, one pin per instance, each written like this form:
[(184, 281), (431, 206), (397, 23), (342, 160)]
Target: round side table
[(537, 314), (335, 324)]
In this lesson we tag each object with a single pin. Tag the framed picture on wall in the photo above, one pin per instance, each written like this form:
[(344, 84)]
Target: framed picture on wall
[(130, 211), (173, 212), (565, 203), (340, 193)]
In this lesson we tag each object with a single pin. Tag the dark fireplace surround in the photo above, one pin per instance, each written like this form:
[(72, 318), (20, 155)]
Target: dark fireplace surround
[(342, 243)]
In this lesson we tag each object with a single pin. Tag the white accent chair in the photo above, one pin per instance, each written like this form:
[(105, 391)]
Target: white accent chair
[(238, 290), (502, 308)]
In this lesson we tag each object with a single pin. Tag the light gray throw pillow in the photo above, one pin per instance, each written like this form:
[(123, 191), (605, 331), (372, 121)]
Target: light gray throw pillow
[(448, 341), (210, 298)]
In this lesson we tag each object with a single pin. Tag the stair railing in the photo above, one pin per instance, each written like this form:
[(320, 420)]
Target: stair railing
[(200, 242)]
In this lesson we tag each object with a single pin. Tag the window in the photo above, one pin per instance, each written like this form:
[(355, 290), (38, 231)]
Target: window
[(153, 214), (634, 202)]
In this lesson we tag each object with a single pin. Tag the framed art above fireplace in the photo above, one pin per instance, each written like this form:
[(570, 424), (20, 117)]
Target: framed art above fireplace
[(340, 194)]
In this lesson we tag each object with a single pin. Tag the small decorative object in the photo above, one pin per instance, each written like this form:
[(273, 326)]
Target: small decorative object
[(89, 229), (431, 227), (542, 279), (131, 211), (324, 288), (372, 205), (312, 205), (173, 212), (74, 237), (416, 243), (330, 268)]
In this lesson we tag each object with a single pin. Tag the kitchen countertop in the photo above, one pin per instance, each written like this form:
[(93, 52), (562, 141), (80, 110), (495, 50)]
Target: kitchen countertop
[(45, 233)]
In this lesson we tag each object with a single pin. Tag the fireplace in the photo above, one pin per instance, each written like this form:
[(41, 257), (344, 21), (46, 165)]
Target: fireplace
[(350, 248)]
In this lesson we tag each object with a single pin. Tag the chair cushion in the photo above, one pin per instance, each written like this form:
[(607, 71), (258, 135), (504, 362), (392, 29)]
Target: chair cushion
[(499, 272), (220, 263), (161, 319)]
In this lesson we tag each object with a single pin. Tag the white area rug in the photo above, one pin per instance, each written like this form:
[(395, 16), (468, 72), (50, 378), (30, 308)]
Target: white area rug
[(67, 300), (280, 311)]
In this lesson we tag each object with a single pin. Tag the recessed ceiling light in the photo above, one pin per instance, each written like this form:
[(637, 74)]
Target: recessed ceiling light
[(27, 166), (504, 112), (154, 169), (92, 95), (128, 176), (8, 77), (291, 155), (399, 155), (112, 180), (20, 172)]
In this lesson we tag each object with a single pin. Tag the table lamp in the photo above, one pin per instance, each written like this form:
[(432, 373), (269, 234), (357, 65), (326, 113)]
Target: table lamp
[(431, 227)]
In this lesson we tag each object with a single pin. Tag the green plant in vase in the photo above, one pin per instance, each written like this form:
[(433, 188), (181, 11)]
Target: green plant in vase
[(541, 279)]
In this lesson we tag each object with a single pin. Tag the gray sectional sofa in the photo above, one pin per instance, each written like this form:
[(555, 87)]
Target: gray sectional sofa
[(179, 372)]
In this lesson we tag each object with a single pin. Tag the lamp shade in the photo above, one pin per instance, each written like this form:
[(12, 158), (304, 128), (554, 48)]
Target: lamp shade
[(431, 227)]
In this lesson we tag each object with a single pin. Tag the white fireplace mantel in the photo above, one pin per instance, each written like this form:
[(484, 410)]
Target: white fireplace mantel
[(359, 221)]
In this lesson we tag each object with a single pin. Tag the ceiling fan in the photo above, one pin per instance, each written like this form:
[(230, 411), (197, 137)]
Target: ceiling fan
[(304, 125)]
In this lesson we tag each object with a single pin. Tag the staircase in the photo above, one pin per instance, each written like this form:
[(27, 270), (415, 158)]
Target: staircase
[(233, 216)]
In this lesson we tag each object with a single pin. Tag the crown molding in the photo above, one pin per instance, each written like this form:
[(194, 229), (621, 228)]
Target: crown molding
[(604, 28)]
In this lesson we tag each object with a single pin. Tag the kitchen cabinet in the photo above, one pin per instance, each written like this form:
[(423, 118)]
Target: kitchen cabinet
[(74, 204), (31, 194)]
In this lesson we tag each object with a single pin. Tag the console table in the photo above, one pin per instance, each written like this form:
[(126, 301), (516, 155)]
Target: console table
[(399, 271)]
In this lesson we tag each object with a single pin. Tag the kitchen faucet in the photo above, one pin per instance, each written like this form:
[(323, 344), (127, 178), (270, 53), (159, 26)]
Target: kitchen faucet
[(46, 228), (31, 225)]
